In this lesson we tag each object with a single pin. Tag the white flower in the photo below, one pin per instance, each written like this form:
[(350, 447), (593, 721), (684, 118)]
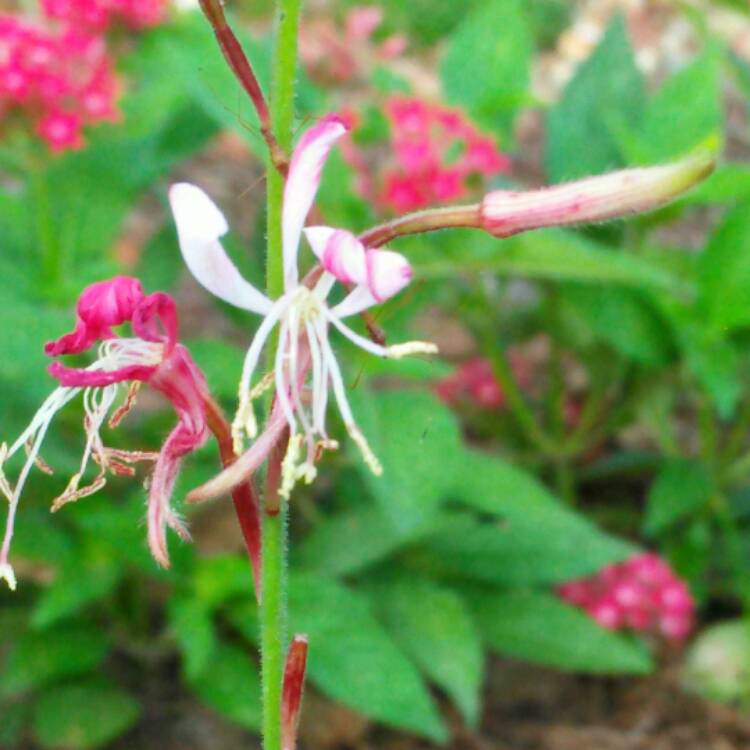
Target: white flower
[(301, 314)]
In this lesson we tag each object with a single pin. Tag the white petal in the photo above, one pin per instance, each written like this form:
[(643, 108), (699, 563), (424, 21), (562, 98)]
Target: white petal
[(345, 258), (387, 273), (199, 225), (302, 185), (318, 238), (359, 299)]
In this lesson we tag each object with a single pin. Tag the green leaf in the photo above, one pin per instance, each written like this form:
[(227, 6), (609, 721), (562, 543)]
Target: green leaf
[(83, 715), (192, 626), (724, 272), (75, 587), (728, 184), (347, 542), (415, 437), (625, 319), (434, 628), (221, 363), (231, 686), (354, 661), (670, 128), (535, 526), (606, 95), (486, 66), (220, 578), (42, 657), (540, 628), (547, 254), (682, 488)]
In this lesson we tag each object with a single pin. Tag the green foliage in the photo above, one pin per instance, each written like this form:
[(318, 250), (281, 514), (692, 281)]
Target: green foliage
[(39, 658), (682, 488), (82, 715), (492, 44), (540, 628), (230, 684), (351, 652), (605, 96)]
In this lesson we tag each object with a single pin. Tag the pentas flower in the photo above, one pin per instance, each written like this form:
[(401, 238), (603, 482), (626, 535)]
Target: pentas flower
[(436, 153), (302, 314), (61, 79), (642, 594), (97, 15), (151, 355)]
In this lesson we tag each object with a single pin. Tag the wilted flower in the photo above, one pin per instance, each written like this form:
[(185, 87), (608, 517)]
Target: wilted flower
[(301, 313), (151, 356)]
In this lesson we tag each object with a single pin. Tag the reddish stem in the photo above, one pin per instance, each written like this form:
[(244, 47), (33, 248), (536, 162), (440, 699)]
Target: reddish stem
[(243, 71), (245, 500)]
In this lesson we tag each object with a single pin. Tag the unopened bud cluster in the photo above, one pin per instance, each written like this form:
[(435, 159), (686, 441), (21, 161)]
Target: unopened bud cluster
[(57, 71), (642, 594)]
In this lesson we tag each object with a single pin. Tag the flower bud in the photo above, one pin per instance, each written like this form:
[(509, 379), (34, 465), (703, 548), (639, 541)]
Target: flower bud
[(294, 679), (504, 213)]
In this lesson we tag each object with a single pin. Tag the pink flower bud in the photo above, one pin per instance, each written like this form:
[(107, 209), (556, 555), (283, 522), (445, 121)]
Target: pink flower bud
[(387, 273), (505, 213)]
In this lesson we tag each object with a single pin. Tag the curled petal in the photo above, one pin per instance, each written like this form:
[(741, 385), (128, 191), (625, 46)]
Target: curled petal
[(72, 377), (387, 273), (318, 238), (100, 306), (155, 319), (344, 258), (302, 184), (246, 465), (504, 213), (200, 224)]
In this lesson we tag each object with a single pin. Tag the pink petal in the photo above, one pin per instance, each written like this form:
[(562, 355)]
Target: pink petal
[(100, 306), (302, 185), (199, 226), (387, 273), (343, 255), (318, 238)]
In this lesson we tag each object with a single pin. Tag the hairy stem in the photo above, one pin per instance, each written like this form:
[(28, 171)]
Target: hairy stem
[(273, 612), (431, 220)]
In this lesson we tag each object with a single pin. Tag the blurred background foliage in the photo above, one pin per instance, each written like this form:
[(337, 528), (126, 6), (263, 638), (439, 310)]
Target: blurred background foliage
[(630, 432)]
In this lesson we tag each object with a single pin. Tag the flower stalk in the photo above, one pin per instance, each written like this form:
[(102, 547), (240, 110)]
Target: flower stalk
[(273, 612)]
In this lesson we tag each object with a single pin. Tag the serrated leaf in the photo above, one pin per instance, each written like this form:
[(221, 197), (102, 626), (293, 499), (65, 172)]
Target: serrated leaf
[(433, 626), (540, 628), (415, 438), (79, 716), (231, 686), (680, 489), (606, 95), (39, 658), (486, 66), (353, 660)]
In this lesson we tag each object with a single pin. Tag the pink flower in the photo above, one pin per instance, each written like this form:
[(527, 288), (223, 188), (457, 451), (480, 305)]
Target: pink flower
[(61, 131), (642, 594), (153, 356), (301, 314)]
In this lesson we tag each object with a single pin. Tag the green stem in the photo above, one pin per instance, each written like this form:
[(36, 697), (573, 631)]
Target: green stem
[(273, 612)]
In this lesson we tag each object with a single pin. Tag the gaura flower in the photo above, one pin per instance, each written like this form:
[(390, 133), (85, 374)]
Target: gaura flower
[(152, 355), (301, 314)]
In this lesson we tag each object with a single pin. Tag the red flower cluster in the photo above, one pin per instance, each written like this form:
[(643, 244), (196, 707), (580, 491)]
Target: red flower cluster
[(475, 381), (436, 150), (642, 594), (58, 72)]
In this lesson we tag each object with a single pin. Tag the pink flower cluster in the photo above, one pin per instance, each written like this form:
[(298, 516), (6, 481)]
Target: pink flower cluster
[(437, 151), (642, 594), (58, 73), (98, 15), (475, 380)]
